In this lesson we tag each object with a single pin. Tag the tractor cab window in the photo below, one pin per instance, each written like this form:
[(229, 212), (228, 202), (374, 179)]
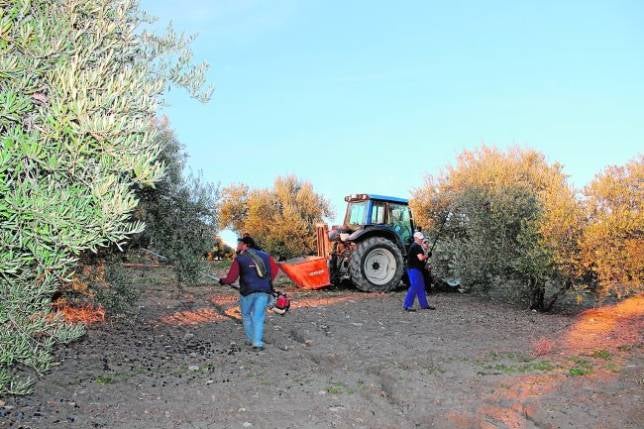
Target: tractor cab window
[(355, 213), (400, 220), (377, 213)]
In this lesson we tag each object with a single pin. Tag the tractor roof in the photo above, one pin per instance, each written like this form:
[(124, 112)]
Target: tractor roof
[(359, 197)]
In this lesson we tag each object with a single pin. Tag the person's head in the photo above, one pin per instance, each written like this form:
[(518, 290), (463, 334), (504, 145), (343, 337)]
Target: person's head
[(419, 237), (245, 243)]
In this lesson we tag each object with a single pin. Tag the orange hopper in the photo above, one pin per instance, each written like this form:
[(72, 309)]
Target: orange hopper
[(308, 273)]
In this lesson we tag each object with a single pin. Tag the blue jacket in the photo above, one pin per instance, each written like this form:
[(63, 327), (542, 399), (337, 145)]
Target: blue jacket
[(249, 280)]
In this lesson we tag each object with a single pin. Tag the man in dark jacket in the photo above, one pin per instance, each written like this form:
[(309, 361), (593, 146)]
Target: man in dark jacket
[(256, 271), (416, 259)]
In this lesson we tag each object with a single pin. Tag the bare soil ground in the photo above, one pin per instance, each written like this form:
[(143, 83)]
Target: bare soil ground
[(343, 359)]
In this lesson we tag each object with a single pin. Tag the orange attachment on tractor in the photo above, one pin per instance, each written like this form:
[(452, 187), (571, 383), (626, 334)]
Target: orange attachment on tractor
[(308, 273)]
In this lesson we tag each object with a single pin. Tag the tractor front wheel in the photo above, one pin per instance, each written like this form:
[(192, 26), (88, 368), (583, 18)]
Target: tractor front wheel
[(376, 265)]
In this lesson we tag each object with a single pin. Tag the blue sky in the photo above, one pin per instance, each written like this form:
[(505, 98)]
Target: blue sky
[(360, 96)]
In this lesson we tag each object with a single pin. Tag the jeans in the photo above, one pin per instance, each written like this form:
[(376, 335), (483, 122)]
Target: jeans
[(253, 310), (416, 289)]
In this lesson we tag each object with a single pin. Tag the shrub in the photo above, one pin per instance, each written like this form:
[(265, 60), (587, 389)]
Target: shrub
[(281, 219), (116, 293)]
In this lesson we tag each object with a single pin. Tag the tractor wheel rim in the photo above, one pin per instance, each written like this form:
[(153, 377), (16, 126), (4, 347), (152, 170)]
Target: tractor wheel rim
[(379, 266)]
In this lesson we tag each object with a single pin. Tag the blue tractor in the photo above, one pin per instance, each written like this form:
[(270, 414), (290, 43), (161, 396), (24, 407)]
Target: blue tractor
[(370, 248)]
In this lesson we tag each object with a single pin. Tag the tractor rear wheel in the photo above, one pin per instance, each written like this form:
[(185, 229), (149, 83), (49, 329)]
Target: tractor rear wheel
[(376, 265)]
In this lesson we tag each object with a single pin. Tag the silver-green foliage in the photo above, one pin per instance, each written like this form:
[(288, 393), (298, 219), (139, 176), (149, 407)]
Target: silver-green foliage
[(79, 86), (179, 213), (491, 243)]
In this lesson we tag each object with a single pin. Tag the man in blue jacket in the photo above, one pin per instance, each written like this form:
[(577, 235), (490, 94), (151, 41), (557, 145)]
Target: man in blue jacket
[(256, 271)]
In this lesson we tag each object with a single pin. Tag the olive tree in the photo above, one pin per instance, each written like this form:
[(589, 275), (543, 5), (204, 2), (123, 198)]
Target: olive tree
[(613, 241), (80, 84), (515, 224), (179, 213)]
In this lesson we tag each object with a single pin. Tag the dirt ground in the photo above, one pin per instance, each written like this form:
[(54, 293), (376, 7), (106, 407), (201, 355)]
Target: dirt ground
[(343, 359)]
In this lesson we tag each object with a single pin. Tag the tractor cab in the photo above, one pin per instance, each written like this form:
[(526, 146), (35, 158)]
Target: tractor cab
[(368, 213)]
